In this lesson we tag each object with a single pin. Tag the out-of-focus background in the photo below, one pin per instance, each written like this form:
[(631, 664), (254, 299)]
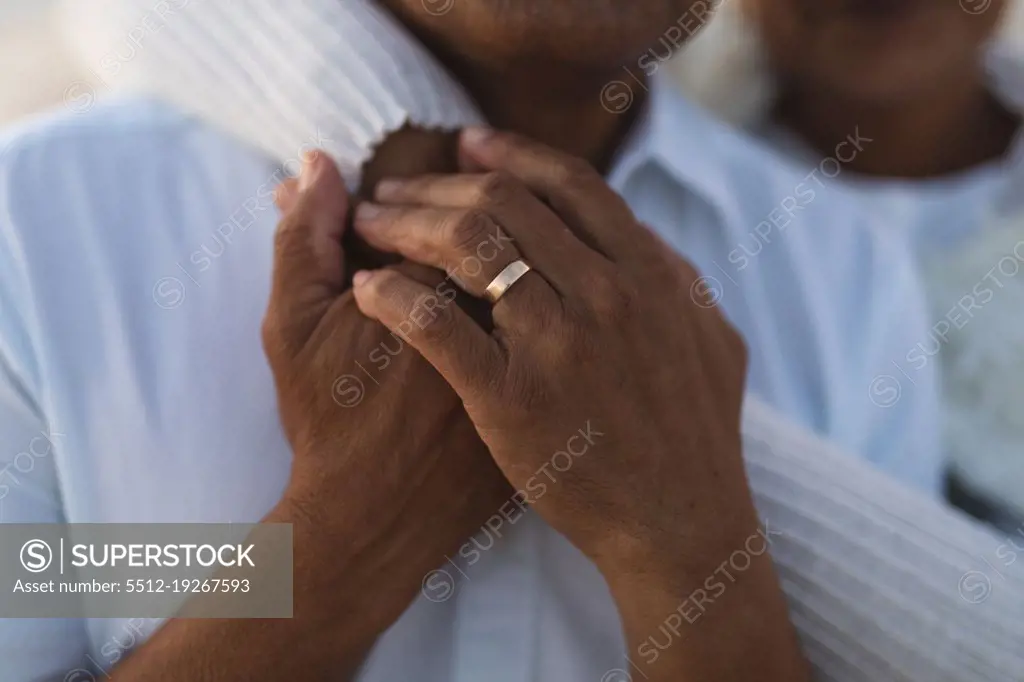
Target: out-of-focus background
[(36, 69)]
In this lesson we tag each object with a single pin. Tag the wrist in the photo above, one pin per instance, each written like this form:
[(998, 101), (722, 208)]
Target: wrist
[(331, 592), (711, 613), (647, 574), (674, 548), (348, 577)]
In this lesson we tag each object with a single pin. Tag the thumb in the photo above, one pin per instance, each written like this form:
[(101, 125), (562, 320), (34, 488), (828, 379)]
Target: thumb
[(309, 270)]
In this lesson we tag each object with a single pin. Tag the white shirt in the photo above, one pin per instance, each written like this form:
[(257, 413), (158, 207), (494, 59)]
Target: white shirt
[(938, 215), (135, 254), (956, 226)]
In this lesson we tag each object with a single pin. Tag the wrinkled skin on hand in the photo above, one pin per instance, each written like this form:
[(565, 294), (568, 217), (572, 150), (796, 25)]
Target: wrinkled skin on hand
[(386, 461)]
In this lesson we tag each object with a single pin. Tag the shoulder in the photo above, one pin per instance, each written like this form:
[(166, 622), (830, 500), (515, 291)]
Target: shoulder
[(92, 200), (64, 167), (90, 131), (55, 173), (73, 176), (124, 139), (74, 179)]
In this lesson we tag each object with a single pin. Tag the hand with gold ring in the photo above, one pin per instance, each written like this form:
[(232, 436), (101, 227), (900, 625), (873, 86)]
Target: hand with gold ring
[(609, 392)]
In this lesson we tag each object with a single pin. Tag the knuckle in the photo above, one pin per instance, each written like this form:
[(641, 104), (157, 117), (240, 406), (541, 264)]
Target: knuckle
[(291, 238), (465, 230), (278, 345), (612, 299), (434, 318), (382, 289), (562, 349), (385, 286), (284, 237), (270, 334), (498, 188)]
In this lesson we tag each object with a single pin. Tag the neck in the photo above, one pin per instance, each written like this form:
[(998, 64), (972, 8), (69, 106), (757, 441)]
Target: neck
[(954, 128), (555, 104), (563, 111)]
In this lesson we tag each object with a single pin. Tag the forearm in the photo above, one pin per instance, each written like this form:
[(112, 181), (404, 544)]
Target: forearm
[(324, 639)]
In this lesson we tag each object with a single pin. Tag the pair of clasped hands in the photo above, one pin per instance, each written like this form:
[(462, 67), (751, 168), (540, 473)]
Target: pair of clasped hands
[(605, 334)]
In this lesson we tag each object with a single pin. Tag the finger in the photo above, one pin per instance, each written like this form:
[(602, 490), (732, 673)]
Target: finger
[(467, 357), (308, 258), (465, 243), (424, 274), (571, 186), (466, 163), (542, 237), (286, 194), (434, 278)]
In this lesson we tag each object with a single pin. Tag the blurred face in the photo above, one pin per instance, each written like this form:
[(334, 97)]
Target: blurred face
[(585, 33), (878, 51)]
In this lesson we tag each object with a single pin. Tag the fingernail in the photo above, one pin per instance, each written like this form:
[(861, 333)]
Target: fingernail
[(388, 188), (361, 278), (476, 136), (367, 211), (311, 168)]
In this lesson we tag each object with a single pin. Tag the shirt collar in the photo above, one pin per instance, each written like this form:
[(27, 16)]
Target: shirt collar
[(679, 138)]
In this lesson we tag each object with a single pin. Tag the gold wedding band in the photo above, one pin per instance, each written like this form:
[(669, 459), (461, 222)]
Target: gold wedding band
[(500, 285)]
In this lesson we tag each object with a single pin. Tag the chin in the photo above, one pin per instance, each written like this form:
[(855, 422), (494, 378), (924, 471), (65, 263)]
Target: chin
[(586, 34)]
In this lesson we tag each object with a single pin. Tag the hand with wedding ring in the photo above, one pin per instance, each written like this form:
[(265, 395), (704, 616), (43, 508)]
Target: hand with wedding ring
[(596, 330), (607, 392)]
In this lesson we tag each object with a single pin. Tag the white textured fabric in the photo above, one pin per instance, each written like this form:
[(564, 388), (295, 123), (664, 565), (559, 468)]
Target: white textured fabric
[(884, 584), (230, 61)]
